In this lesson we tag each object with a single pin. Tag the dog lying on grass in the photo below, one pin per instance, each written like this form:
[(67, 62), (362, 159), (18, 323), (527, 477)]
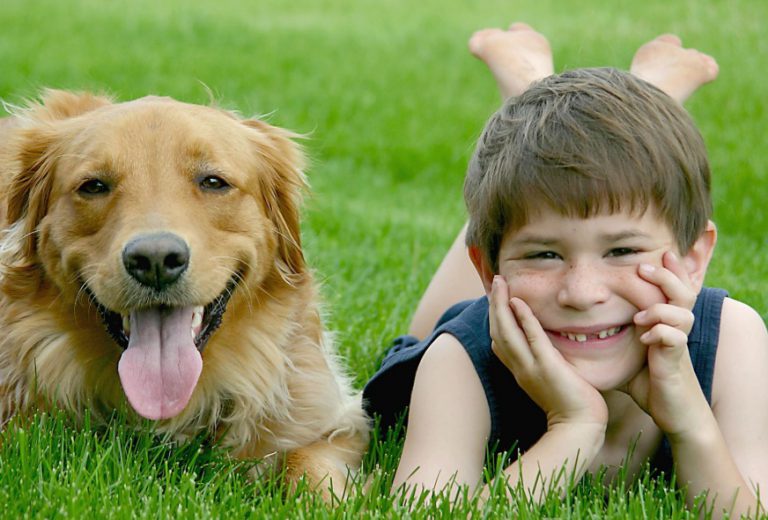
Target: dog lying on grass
[(151, 253)]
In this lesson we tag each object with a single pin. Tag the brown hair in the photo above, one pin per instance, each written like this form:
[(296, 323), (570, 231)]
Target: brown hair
[(586, 142)]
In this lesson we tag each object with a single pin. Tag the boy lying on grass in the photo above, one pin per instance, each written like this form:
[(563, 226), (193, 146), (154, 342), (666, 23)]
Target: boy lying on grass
[(589, 224)]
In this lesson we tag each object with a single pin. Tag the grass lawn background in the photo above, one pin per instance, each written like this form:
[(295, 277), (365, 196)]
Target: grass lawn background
[(391, 102)]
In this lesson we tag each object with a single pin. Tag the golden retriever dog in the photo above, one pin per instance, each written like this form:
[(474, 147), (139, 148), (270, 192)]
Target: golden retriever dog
[(151, 255)]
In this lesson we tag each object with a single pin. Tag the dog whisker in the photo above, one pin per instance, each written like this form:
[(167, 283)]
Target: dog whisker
[(84, 284), (246, 290), (237, 275)]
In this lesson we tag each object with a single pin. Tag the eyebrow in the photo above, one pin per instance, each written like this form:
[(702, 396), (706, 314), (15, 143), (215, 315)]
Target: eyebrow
[(624, 235), (532, 239), (535, 239)]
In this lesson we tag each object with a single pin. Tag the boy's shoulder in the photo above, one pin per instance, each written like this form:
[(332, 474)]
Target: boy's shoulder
[(741, 314), (740, 386), (742, 352)]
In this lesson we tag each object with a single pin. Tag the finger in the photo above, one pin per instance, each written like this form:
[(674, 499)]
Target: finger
[(665, 336), (671, 315), (539, 344), (673, 263), (509, 341), (677, 288)]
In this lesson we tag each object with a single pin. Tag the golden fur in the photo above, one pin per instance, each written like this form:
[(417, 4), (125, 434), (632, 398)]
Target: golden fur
[(270, 385)]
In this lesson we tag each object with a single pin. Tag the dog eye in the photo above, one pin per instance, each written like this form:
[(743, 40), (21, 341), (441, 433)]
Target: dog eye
[(213, 183), (93, 187)]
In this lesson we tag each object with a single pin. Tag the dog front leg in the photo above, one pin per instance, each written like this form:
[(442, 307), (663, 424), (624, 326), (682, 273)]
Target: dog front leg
[(328, 465)]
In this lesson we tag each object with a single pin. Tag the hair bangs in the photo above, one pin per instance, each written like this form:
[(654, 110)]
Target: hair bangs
[(576, 184)]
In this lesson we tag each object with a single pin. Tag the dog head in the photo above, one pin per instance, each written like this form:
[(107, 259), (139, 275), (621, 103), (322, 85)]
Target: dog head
[(155, 212)]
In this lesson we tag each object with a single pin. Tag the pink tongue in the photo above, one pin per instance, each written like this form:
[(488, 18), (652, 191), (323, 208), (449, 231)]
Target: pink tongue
[(160, 368)]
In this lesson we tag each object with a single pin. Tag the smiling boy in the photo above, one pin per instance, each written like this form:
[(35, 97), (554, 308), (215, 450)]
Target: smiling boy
[(589, 225)]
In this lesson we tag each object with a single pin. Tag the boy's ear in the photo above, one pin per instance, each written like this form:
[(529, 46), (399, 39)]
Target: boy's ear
[(697, 259), (482, 266)]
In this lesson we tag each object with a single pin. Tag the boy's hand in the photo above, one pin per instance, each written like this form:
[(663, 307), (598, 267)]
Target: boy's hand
[(521, 344), (667, 388)]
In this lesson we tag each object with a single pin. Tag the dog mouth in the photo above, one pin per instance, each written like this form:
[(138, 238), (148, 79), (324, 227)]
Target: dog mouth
[(161, 360), (205, 319)]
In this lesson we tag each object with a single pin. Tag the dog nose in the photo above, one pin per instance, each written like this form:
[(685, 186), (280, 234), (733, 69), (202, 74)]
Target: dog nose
[(156, 260)]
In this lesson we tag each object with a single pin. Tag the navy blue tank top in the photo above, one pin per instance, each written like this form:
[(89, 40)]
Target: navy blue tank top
[(516, 421)]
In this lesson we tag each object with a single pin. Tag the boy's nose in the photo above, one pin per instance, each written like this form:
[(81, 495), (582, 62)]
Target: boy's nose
[(582, 287)]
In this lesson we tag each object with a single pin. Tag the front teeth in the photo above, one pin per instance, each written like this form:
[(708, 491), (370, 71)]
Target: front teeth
[(581, 338), (609, 332), (197, 321)]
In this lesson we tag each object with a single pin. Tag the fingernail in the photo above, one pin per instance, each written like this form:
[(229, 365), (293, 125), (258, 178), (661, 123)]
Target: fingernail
[(647, 268), (640, 316), (495, 281)]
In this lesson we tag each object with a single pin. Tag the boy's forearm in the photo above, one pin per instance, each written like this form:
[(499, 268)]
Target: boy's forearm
[(704, 463), (556, 461)]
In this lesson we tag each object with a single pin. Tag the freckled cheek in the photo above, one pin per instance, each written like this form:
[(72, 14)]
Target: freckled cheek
[(531, 287), (534, 287)]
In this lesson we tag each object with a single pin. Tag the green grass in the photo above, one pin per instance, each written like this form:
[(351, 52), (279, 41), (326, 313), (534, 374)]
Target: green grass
[(392, 103), (52, 468)]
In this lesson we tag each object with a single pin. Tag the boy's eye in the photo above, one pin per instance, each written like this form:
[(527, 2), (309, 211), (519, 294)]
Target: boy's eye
[(622, 251), (542, 255)]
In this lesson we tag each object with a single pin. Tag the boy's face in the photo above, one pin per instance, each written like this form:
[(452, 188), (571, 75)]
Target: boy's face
[(580, 278)]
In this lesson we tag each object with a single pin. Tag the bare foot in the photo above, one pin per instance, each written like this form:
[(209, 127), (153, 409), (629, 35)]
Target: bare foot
[(517, 57), (664, 62)]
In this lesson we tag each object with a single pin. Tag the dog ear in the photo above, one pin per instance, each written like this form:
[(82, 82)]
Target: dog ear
[(32, 147), (26, 203), (61, 104), (283, 190)]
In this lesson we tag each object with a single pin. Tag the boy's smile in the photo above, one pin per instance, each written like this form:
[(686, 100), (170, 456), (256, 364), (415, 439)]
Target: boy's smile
[(580, 278), (588, 338)]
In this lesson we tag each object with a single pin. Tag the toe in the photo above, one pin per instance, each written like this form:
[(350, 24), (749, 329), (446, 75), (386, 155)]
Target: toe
[(520, 26), (670, 38), (477, 40), (711, 66)]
